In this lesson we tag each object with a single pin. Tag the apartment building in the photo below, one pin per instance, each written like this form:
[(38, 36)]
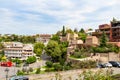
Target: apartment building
[(106, 28), (115, 25), (112, 31), (18, 50)]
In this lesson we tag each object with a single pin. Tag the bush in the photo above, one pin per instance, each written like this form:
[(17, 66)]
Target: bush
[(66, 67), (108, 48), (37, 71), (80, 53), (31, 69), (20, 72), (84, 64), (58, 67), (101, 50), (49, 64), (31, 59), (24, 70), (92, 75), (17, 61)]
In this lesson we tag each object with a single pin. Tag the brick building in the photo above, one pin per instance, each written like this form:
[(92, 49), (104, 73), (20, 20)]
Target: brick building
[(104, 27), (112, 31), (115, 25)]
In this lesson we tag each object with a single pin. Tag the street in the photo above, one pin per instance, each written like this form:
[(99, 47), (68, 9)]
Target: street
[(13, 70)]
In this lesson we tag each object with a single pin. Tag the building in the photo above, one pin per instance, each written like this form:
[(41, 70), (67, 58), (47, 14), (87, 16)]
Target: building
[(43, 38), (69, 37), (27, 51), (17, 50), (104, 27), (92, 40), (89, 32), (112, 31), (115, 25)]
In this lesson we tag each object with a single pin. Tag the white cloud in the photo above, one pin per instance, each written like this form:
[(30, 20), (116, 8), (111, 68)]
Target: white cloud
[(74, 13)]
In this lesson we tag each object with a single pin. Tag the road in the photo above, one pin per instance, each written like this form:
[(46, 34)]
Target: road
[(13, 70)]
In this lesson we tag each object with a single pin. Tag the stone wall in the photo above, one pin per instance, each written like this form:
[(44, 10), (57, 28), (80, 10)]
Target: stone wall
[(105, 57)]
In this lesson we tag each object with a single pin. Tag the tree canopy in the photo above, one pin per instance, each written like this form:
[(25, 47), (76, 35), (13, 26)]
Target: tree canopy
[(38, 48), (53, 50), (103, 40)]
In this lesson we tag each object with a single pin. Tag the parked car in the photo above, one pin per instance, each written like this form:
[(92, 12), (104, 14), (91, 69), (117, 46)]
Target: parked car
[(19, 78), (108, 64), (6, 64), (100, 65), (115, 63)]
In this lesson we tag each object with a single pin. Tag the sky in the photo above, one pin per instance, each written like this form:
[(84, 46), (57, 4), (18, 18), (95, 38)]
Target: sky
[(49, 16)]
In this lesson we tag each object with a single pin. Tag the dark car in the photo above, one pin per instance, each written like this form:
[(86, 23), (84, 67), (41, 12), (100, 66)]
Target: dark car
[(19, 78), (100, 65), (115, 63)]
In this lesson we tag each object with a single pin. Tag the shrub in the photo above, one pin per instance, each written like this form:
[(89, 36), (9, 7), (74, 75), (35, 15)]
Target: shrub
[(31, 69), (37, 71), (49, 64), (66, 67), (31, 59), (24, 70), (57, 67), (98, 75), (20, 72), (17, 61), (84, 64)]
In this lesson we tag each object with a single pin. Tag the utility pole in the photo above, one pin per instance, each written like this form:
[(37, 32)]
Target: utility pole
[(6, 70)]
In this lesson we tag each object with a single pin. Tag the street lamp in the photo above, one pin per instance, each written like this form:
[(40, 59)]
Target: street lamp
[(6, 70)]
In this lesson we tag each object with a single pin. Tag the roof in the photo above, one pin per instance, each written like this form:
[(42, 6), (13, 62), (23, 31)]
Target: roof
[(45, 35)]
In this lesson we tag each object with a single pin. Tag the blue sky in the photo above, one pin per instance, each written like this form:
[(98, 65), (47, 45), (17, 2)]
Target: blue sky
[(48, 16)]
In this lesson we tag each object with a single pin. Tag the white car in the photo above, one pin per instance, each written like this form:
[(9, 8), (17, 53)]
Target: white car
[(108, 65)]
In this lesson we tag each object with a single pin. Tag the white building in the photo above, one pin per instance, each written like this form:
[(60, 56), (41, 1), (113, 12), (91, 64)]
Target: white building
[(18, 50)]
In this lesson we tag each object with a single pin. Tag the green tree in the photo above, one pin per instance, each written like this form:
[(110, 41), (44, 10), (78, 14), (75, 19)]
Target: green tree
[(56, 38), (63, 31), (27, 39), (53, 50), (82, 36), (57, 67), (17, 61), (38, 48), (37, 71), (82, 30), (69, 31), (1, 46), (31, 59), (103, 40), (14, 37), (63, 48), (76, 30), (49, 64)]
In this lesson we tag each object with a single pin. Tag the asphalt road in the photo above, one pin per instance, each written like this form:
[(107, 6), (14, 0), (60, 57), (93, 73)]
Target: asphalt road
[(13, 70)]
